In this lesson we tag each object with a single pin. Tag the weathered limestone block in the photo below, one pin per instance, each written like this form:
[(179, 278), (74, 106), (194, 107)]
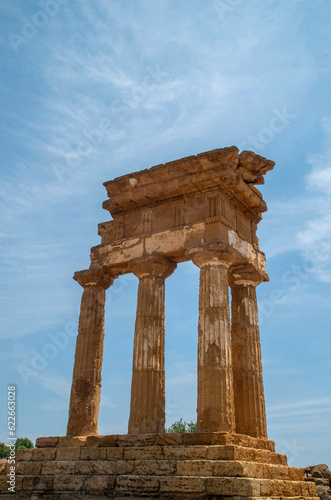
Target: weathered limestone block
[(71, 442), (215, 380), (57, 467), (147, 411), (38, 483), (32, 468), (99, 484), (84, 467), (44, 442), (246, 354), (86, 383), (111, 440), (154, 468), (39, 454), (144, 453), (136, 484), (232, 486), (182, 484), (114, 453), (91, 453), (195, 467), (68, 483), (69, 453)]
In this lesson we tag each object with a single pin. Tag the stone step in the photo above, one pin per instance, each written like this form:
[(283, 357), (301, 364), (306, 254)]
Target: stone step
[(224, 468), (196, 452), (166, 439), (160, 486)]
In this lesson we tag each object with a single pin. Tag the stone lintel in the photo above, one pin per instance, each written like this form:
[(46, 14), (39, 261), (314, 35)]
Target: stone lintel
[(176, 245), (220, 170)]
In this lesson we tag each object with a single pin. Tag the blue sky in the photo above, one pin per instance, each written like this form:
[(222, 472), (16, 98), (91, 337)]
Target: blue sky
[(93, 90)]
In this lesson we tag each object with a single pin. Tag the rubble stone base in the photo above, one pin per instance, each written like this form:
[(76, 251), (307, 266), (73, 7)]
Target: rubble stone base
[(166, 466)]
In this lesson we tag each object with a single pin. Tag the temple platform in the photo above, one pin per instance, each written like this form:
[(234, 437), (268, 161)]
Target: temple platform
[(216, 465)]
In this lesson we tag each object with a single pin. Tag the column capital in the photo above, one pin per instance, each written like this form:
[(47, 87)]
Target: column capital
[(94, 276), (245, 275), (156, 266), (211, 256)]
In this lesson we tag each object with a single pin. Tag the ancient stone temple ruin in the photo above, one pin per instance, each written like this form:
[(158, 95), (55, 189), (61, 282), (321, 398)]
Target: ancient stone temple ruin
[(206, 209), (202, 209)]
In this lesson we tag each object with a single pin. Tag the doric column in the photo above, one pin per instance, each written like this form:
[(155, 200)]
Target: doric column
[(215, 385), (86, 382), (147, 411), (246, 354)]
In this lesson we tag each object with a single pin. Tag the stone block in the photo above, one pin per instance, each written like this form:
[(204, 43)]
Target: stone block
[(304, 489), (194, 468), (114, 453), (182, 484), (45, 442), (20, 467), (232, 486), (185, 452), (93, 453), (136, 440), (229, 468), (98, 484), (148, 453), (42, 454), (220, 453), (37, 483), (84, 467), (68, 453), (272, 487), (251, 442), (32, 468), (154, 468), (246, 454), (312, 489), (166, 439), (24, 455), (19, 483), (57, 467), (136, 484), (292, 488), (113, 467), (68, 483), (295, 474), (204, 438), (3, 482), (269, 457), (71, 442), (104, 441)]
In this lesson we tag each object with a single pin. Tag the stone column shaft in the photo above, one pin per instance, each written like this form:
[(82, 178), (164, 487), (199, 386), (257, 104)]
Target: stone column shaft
[(215, 384), (147, 411), (246, 356), (86, 382)]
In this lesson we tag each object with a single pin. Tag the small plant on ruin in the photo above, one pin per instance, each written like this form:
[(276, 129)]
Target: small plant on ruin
[(180, 426)]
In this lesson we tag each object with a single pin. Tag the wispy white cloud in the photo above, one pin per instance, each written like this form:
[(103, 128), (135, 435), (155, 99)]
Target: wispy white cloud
[(305, 407), (315, 237)]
